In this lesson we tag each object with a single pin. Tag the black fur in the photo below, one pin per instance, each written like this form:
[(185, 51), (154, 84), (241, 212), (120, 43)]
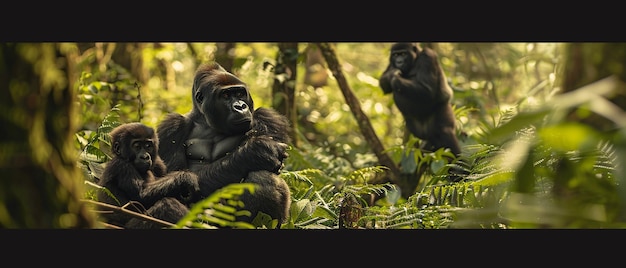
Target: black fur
[(162, 195), (224, 140), (423, 96)]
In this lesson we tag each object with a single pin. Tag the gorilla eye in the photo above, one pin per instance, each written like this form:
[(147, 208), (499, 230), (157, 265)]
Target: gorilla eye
[(401, 53), (199, 97), (225, 95), (232, 94)]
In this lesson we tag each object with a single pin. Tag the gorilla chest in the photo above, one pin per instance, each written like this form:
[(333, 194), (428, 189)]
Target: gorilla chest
[(204, 146), (413, 105)]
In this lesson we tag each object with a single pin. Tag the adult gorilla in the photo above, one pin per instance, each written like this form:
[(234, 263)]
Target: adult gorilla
[(422, 94), (224, 140)]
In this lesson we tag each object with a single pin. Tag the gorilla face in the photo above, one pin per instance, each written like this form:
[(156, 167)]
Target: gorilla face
[(137, 144), (402, 56), (143, 153), (223, 100), (232, 109)]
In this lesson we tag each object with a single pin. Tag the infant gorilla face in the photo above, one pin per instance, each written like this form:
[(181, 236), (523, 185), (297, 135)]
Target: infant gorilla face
[(143, 153), (136, 143)]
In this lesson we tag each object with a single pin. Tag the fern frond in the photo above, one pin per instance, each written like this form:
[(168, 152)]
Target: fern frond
[(219, 209), (363, 174)]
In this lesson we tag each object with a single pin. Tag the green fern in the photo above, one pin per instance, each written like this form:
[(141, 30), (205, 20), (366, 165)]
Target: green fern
[(220, 209), (98, 146), (94, 188), (96, 149)]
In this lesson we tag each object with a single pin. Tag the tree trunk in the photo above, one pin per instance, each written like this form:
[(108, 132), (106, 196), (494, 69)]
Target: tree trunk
[(42, 186), (315, 67), (223, 55), (590, 62), (284, 87)]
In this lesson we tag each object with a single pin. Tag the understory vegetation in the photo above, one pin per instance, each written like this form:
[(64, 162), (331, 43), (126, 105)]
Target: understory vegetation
[(528, 165)]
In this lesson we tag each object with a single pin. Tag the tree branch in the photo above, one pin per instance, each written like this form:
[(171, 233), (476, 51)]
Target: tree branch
[(364, 123), (122, 209)]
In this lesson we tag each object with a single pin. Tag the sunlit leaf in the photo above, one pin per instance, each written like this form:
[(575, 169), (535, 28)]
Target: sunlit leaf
[(568, 137)]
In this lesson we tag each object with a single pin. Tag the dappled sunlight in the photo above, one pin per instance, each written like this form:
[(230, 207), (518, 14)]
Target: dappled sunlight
[(540, 126)]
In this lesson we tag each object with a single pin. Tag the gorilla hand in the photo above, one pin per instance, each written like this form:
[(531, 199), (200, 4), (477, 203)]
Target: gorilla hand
[(189, 187), (264, 153), (182, 185), (397, 72)]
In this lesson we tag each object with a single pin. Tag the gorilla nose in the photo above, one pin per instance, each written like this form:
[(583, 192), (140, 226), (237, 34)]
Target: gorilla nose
[(240, 106)]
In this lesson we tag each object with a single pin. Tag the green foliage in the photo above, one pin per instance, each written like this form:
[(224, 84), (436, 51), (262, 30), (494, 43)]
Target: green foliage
[(528, 167), (96, 145), (220, 210), (317, 197), (561, 174), (93, 188), (101, 91)]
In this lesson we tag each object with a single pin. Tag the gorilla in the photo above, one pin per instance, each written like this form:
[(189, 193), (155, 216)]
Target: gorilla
[(422, 94), (137, 173), (224, 140)]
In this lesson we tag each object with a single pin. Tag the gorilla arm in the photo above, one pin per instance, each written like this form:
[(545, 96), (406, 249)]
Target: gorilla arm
[(385, 80), (124, 184), (259, 152), (272, 195), (402, 59), (426, 80), (271, 123), (264, 149), (122, 180), (158, 167), (182, 185)]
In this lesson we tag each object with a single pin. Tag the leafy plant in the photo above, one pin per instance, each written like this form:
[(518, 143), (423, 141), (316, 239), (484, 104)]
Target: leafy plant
[(528, 167), (96, 145), (220, 210)]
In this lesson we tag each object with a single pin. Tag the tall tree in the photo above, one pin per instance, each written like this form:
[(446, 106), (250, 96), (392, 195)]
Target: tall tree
[(284, 87), (42, 186)]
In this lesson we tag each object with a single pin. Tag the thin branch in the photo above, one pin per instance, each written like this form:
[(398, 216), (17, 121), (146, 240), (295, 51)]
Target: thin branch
[(131, 213), (363, 121)]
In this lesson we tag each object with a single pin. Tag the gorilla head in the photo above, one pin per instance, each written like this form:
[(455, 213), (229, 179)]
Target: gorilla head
[(403, 56), (222, 99), (137, 144)]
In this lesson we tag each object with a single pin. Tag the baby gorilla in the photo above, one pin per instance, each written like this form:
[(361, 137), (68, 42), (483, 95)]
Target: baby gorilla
[(137, 173)]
